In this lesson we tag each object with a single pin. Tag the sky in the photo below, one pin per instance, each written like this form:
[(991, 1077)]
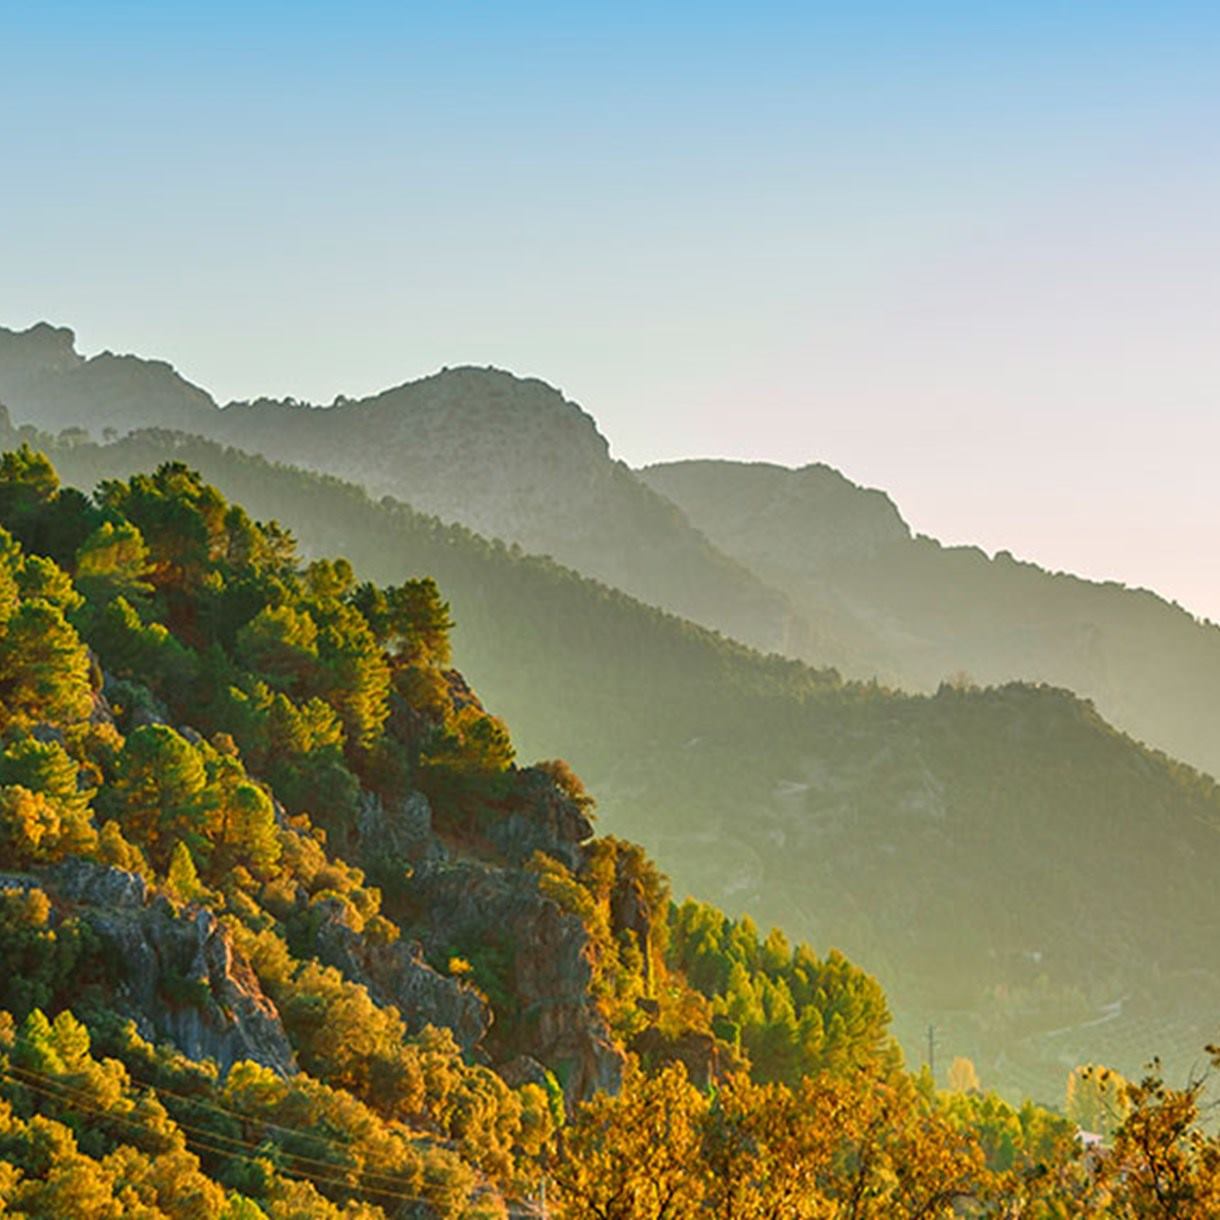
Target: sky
[(965, 252)]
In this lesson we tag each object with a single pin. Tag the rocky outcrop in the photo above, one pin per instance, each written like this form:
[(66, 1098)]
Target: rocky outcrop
[(401, 830), (630, 911), (45, 381), (781, 518), (94, 885), (541, 817), (41, 350), (180, 976), (396, 973), (556, 1019), (139, 704), (543, 952), (524, 1069)]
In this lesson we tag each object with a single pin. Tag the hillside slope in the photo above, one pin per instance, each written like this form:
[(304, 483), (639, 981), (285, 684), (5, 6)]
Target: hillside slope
[(922, 611), (285, 931), (508, 457), (1034, 883)]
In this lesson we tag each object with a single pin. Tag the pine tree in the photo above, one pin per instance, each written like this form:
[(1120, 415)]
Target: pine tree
[(182, 878), (44, 668), (159, 788), (113, 562)]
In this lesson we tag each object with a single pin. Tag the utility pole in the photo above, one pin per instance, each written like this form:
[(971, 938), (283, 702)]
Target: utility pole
[(932, 1051)]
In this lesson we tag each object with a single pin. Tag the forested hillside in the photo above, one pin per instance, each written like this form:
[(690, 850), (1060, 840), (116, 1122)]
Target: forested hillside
[(286, 931), (1017, 873)]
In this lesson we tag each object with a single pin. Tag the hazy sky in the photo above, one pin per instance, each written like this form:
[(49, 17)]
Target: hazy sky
[(966, 252)]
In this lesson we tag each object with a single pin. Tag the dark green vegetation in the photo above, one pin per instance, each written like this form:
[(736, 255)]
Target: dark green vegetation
[(276, 898), (1037, 885)]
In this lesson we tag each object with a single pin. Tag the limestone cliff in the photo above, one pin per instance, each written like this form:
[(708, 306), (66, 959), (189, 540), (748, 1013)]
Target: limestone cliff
[(398, 974), (181, 977), (542, 954)]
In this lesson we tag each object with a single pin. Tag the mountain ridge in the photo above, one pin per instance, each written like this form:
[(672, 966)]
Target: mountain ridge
[(823, 573), (442, 442), (930, 610)]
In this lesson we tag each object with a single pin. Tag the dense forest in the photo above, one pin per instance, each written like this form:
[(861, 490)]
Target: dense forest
[(849, 815), (288, 931)]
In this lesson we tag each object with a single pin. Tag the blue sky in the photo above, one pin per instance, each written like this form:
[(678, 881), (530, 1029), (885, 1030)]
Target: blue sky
[(966, 252)]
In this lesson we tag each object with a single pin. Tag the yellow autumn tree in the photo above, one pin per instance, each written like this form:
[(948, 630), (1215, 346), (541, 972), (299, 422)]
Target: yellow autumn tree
[(633, 1156)]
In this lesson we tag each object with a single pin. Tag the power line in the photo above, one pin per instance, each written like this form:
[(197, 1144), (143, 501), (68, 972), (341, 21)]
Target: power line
[(199, 1139), (197, 1143), (241, 1116), (217, 1135)]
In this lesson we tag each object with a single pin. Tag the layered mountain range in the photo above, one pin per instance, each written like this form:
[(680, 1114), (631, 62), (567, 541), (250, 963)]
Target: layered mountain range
[(1031, 881), (507, 457), (802, 562), (920, 612)]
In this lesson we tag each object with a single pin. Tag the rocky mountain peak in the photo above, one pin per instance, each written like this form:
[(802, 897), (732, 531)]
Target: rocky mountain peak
[(499, 408), (46, 382), (737, 504), (42, 348)]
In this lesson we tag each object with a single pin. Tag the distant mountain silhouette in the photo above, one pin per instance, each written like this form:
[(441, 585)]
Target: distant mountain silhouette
[(506, 456), (45, 381), (918, 612)]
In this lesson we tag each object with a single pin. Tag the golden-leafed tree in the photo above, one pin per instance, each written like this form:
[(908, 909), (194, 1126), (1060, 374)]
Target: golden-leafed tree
[(633, 1156)]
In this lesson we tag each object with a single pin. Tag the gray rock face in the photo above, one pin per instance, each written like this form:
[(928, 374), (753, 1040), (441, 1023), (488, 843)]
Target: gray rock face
[(547, 956), (397, 974), (538, 816), (93, 884), (544, 819), (697, 1052), (401, 831), (142, 706), (182, 977), (524, 1069)]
